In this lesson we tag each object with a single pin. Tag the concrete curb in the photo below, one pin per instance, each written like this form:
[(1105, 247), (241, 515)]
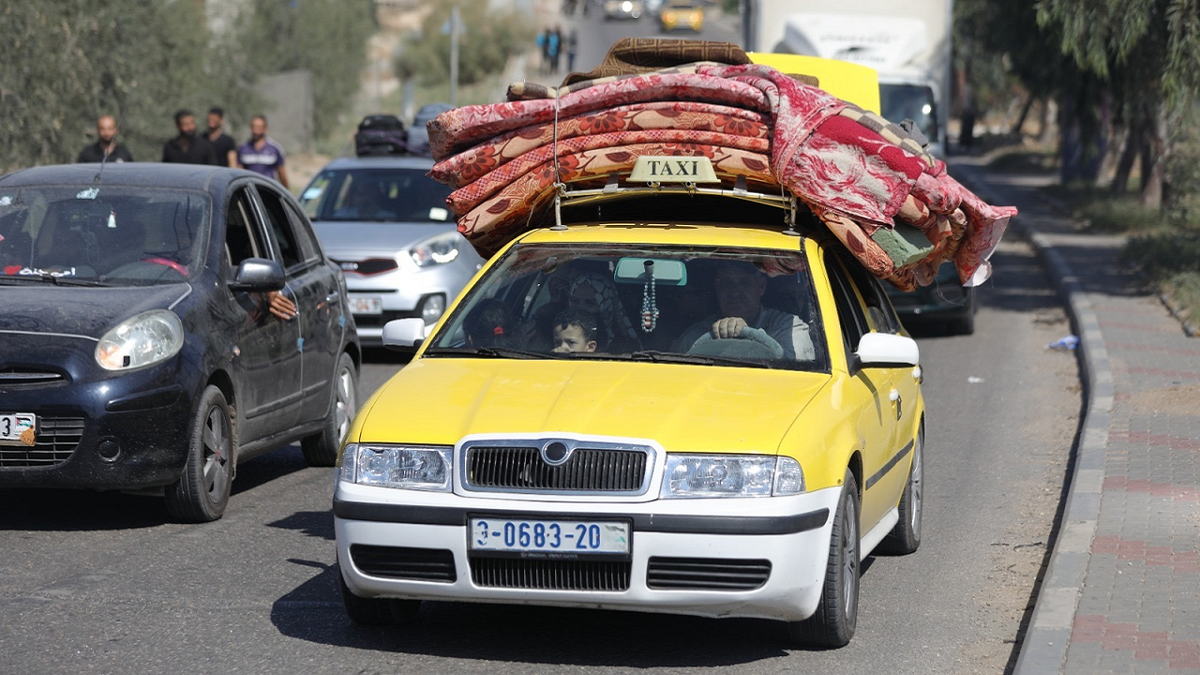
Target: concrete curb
[(1044, 647)]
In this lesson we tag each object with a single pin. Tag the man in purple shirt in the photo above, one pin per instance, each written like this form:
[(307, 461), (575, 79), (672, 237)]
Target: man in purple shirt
[(261, 154)]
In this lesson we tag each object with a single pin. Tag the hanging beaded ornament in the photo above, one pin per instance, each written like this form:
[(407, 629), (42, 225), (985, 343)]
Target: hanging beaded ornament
[(649, 301)]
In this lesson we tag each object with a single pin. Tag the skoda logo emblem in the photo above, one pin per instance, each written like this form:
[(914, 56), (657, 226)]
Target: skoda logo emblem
[(555, 453), (349, 266)]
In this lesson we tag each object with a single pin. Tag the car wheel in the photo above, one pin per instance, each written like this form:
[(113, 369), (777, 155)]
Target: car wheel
[(837, 614), (905, 537), (964, 324), (202, 492), (321, 448), (377, 611)]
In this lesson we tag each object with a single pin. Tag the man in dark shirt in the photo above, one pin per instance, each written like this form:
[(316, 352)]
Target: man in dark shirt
[(223, 144), (188, 147), (106, 148)]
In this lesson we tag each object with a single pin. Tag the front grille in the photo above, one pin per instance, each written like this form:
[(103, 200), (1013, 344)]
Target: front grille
[(551, 575), (707, 574), (57, 438), (379, 320), (395, 562), (586, 470), (367, 267), (16, 378)]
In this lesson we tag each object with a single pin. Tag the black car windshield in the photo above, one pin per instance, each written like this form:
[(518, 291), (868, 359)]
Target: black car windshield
[(668, 304), (115, 235), (378, 194)]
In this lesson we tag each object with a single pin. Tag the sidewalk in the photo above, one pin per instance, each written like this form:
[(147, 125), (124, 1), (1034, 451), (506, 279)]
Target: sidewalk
[(1122, 591)]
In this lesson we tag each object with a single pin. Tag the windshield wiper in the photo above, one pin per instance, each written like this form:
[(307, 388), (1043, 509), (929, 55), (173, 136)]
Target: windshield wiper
[(488, 352), (50, 278), (696, 359)]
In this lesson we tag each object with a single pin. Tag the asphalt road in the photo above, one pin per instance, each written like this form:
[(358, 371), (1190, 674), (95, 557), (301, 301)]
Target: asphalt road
[(103, 583)]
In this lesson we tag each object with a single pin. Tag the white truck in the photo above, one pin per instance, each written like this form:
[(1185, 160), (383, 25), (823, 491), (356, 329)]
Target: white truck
[(907, 42)]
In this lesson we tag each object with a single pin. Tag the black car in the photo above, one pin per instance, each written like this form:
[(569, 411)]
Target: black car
[(138, 346)]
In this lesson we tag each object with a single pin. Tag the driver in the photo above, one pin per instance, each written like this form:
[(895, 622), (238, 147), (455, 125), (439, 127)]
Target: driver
[(739, 289)]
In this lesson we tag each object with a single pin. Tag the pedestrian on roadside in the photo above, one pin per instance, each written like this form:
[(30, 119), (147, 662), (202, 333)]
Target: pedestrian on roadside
[(572, 49), (224, 147), (261, 154), (555, 41), (543, 43), (188, 147), (106, 148)]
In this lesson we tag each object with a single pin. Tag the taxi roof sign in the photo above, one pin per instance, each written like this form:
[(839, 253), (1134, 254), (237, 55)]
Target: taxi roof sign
[(851, 82), (673, 169)]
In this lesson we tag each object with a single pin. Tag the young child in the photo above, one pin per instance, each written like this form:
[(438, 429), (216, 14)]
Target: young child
[(574, 331)]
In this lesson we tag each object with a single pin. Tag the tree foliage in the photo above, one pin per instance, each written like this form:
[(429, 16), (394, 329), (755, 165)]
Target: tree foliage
[(326, 37), (490, 39), (69, 61)]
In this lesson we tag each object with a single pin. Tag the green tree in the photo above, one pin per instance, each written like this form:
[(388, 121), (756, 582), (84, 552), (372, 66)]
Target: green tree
[(326, 37), (1148, 53), (491, 39), (69, 61)]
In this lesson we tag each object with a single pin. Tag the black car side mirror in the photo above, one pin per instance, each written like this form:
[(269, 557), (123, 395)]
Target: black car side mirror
[(258, 275)]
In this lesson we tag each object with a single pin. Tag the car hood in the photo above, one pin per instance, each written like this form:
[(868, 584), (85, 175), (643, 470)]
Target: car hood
[(81, 311), (341, 237), (438, 400)]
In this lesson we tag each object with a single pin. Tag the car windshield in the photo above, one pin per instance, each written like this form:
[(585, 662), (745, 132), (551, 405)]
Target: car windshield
[(706, 306), (899, 102), (383, 195), (114, 235)]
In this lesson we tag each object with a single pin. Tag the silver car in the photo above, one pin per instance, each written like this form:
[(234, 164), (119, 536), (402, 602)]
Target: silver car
[(384, 221)]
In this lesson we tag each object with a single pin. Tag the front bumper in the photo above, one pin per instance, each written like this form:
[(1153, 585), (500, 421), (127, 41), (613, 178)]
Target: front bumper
[(129, 431), (762, 558)]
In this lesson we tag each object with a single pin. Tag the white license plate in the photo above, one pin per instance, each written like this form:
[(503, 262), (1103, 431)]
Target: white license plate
[(366, 305), (18, 428), (572, 537)]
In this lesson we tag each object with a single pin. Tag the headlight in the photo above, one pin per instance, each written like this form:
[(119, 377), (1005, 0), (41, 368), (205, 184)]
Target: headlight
[(141, 341), (437, 250), (407, 468), (690, 476)]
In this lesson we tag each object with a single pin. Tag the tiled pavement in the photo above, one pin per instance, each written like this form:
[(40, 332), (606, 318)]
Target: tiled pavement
[(1122, 592)]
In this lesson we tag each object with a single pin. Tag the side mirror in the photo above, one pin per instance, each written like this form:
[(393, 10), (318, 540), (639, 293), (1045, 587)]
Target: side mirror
[(404, 334), (885, 350), (258, 275)]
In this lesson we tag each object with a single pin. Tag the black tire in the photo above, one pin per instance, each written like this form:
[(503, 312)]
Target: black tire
[(905, 537), (321, 448), (837, 614), (202, 491), (963, 325), (377, 611)]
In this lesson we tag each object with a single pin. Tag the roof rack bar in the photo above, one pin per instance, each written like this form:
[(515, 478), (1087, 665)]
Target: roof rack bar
[(610, 191)]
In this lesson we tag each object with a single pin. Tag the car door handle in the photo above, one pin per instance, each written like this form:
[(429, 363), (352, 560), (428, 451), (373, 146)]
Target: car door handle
[(333, 297), (894, 396)]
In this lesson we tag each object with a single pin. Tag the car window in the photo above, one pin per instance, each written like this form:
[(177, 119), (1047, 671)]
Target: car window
[(377, 194), (879, 309), (852, 319), (305, 238), (242, 239), (631, 302), (276, 217), (113, 234)]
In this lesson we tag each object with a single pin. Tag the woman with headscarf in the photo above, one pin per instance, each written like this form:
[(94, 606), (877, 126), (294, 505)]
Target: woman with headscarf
[(597, 294)]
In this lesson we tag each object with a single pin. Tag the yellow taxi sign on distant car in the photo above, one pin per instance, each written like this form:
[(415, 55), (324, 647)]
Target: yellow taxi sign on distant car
[(851, 82), (654, 169)]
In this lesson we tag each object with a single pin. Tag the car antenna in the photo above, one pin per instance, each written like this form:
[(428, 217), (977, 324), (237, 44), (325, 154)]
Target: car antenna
[(103, 161)]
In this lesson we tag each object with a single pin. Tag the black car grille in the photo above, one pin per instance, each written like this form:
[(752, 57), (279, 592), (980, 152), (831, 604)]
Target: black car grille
[(17, 378), (379, 320), (394, 562), (586, 470), (367, 267), (57, 438), (708, 574), (551, 575)]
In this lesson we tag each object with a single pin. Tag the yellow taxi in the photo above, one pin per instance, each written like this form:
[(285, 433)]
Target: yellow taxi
[(695, 402), (681, 15)]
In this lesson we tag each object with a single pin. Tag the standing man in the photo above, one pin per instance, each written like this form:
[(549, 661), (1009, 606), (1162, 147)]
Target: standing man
[(261, 154), (188, 147), (106, 148), (224, 147)]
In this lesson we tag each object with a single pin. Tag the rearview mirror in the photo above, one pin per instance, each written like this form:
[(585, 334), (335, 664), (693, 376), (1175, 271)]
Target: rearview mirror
[(258, 275), (404, 334), (886, 350), (638, 270)]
